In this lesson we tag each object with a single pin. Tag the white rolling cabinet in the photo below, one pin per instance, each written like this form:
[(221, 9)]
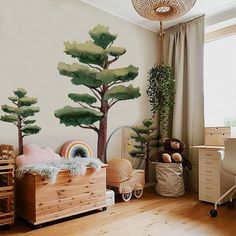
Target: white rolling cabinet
[(213, 181)]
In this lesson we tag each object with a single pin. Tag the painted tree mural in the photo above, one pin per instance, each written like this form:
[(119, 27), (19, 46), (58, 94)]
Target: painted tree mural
[(19, 115), (147, 140), (104, 84)]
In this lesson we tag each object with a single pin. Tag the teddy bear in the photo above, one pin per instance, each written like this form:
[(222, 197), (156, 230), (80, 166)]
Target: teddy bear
[(173, 149), (173, 152)]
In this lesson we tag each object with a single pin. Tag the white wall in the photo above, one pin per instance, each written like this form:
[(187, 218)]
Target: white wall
[(31, 44)]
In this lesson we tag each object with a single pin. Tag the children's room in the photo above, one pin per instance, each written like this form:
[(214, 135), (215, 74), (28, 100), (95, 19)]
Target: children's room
[(117, 117)]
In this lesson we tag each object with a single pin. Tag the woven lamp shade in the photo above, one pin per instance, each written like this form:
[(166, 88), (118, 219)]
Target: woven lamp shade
[(162, 10)]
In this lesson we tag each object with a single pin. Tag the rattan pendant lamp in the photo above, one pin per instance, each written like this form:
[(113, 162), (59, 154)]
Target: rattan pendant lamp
[(162, 10)]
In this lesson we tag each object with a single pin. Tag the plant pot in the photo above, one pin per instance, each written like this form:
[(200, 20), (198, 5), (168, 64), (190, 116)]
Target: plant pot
[(170, 182)]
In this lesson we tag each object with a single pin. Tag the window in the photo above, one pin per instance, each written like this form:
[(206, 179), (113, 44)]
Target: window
[(220, 78)]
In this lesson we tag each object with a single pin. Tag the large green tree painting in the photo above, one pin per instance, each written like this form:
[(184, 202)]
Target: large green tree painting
[(19, 114), (104, 84)]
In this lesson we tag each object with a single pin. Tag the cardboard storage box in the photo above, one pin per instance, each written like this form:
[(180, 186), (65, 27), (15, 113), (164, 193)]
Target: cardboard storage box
[(215, 135)]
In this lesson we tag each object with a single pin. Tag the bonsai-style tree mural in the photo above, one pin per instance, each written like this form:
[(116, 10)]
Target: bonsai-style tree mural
[(104, 83), (19, 115), (146, 144)]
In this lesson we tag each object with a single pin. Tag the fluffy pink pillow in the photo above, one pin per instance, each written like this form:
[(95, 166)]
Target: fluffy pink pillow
[(33, 154)]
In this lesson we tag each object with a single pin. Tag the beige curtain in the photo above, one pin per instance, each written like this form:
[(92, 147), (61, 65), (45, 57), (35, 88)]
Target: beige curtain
[(183, 49)]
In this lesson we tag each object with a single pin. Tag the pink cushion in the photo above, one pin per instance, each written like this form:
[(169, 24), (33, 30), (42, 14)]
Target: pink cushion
[(33, 154)]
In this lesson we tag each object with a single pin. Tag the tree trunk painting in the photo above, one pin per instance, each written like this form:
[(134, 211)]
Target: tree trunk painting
[(104, 84)]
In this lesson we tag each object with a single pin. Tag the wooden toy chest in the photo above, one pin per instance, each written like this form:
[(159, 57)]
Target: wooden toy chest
[(39, 201)]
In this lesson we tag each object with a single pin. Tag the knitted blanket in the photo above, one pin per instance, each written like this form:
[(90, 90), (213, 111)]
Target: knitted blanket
[(51, 169)]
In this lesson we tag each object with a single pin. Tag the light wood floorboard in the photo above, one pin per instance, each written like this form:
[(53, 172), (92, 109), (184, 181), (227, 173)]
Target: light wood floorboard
[(151, 215)]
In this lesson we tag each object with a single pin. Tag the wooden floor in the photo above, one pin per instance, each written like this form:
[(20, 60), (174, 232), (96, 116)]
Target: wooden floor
[(150, 215)]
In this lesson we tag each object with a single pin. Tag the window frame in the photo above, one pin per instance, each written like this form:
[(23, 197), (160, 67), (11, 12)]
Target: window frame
[(220, 33)]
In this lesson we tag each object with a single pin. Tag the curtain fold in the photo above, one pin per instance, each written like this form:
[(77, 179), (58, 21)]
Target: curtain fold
[(183, 50)]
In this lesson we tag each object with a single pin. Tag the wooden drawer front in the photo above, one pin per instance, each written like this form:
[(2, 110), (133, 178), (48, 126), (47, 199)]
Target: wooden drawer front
[(207, 188), (217, 130), (208, 192), (208, 197), (210, 163), (205, 153), (209, 180), (208, 171)]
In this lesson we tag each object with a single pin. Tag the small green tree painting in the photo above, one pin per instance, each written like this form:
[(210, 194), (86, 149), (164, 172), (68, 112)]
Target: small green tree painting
[(19, 114), (97, 55), (146, 144)]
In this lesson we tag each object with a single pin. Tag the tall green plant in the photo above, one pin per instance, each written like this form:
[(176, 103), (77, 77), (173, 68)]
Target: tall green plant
[(19, 115), (161, 92), (104, 83)]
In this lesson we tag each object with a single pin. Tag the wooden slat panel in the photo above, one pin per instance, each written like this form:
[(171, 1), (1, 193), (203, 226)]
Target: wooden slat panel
[(6, 194), (7, 167), (7, 188)]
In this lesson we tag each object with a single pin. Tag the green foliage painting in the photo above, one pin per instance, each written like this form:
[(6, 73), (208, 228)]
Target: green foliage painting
[(104, 84), (19, 115), (146, 144)]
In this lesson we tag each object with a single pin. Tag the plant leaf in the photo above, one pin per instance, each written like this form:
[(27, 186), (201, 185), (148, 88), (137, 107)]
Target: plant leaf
[(27, 122), (122, 74), (80, 74), (9, 118), (85, 98), (88, 52), (101, 36), (20, 92), (73, 116), (31, 129), (27, 101), (116, 51), (122, 93)]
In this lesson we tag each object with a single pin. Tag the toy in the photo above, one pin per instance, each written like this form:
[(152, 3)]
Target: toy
[(124, 179), (173, 152), (76, 148), (34, 154)]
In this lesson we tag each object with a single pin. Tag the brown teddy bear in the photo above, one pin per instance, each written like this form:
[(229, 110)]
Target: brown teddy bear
[(173, 149)]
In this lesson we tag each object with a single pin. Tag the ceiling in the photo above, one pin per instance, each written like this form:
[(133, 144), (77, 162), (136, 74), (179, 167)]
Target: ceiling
[(125, 10)]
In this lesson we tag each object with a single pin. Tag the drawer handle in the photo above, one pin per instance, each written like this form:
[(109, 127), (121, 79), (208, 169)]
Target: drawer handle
[(208, 179), (209, 163), (209, 171), (209, 188), (209, 154)]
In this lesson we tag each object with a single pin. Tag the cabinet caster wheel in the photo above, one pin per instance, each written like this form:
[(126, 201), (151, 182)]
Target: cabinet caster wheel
[(38, 226), (5, 227), (102, 209), (230, 205), (214, 213)]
